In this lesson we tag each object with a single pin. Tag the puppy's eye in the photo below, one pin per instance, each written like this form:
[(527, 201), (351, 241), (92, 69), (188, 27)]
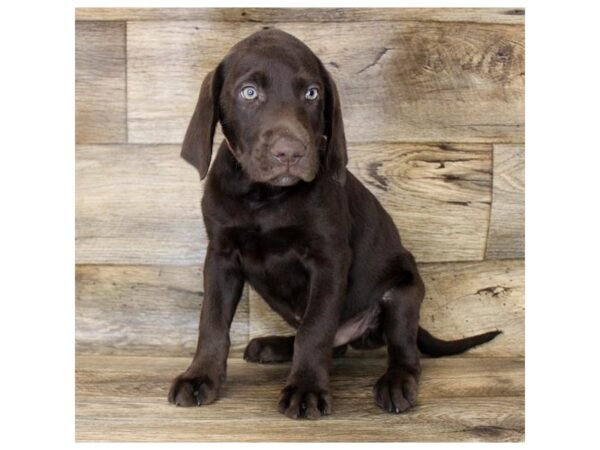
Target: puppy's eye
[(312, 93), (249, 92)]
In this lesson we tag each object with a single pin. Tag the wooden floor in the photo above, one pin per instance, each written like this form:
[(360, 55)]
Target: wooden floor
[(433, 107), (460, 399)]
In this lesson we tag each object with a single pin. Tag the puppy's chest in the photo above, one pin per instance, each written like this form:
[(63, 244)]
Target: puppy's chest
[(257, 245), (273, 262)]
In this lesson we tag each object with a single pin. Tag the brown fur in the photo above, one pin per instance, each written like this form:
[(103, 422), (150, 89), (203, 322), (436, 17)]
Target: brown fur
[(307, 235)]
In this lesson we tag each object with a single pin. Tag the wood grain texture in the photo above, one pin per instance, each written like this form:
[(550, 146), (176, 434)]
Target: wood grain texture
[(144, 310), (137, 205), (429, 96), (269, 15), (100, 85), (140, 204), (399, 81), (438, 195), (462, 299), (460, 399), (506, 236)]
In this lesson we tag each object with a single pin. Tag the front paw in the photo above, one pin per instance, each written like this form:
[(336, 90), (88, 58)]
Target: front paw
[(396, 391), (193, 390), (309, 402)]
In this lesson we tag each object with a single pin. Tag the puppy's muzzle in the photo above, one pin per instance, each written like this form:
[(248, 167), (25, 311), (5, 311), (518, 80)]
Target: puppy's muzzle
[(288, 151)]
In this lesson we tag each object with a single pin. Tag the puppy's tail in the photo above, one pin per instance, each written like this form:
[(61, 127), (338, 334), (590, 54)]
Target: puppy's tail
[(435, 347)]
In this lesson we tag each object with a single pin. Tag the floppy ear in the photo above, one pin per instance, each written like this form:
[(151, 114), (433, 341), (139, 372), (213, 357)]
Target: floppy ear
[(198, 141), (337, 155)]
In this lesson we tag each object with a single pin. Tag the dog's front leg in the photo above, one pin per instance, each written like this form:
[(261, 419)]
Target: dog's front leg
[(306, 393), (223, 284)]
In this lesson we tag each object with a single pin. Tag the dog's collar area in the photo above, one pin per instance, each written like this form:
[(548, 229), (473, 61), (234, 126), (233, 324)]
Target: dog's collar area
[(231, 149)]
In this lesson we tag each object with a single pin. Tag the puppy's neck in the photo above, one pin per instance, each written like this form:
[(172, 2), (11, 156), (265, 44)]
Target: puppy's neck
[(233, 181)]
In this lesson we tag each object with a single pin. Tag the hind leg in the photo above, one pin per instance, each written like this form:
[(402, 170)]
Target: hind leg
[(396, 390), (275, 349), (270, 349)]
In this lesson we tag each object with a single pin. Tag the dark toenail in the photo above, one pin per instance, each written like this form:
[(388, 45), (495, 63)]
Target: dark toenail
[(302, 408)]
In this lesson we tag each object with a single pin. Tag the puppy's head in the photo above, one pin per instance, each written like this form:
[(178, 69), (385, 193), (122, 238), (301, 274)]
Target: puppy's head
[(279, 110)]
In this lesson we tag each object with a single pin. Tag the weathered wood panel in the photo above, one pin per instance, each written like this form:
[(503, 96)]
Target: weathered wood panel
[(469, 298), (506, 237), (137, 205), (447, 377), (398, 81), (462, 299), (460, 399), (271, 15), (438, 195), (144, 310), (141, 204), (100, 85)]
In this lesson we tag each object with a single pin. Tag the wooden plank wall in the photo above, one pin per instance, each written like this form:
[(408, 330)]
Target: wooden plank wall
[(433, 103)]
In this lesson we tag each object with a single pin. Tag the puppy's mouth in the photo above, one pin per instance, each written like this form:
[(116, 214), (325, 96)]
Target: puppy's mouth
[(290, 175), (286, 179)]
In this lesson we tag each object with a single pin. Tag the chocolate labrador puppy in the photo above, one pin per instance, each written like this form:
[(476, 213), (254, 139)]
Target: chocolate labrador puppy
[(283, 214)]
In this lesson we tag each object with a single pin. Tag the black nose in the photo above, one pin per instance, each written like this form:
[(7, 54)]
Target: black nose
[(288, 151)]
